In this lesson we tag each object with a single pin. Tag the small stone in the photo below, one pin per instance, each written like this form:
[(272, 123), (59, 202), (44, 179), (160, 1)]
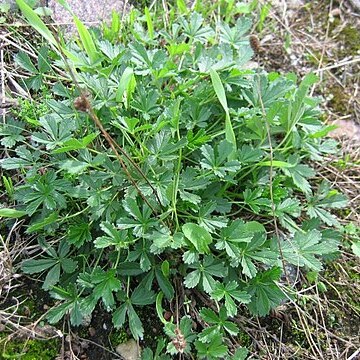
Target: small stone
[(129, 350), (167, 315), (92, 331), (86, 320), (335, 12)]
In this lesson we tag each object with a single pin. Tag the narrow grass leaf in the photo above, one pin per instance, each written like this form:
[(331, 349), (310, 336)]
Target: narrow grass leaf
[(276, 163), (220, 93), (86, 40), (124, 83), (35, 21), (11, 213), (149, 23)]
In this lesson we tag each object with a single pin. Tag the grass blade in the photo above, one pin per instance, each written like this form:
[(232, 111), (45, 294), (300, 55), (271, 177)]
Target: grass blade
[(35, 21), (124, 83), (11, 213), (149, 23), (220, 93), (86, 39)]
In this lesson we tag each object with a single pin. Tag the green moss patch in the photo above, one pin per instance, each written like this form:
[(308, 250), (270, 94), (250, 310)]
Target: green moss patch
[(29, 349)]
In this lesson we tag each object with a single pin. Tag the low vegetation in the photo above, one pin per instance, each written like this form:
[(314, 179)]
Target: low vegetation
[(164, 177)]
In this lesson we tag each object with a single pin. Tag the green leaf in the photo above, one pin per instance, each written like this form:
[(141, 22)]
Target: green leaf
[(265, 293), (220, 93), (52, 277), (35, 266), (216, 349), (141, 296), (241, 353), (301, 250), (149, 23), (135, 324), (78, 234), (129, 269), (355, 247), (86, 40), (230, 292), (124, 82), (35, 21), (198, 236), (164, 284), (216, 160), (53, 217), (75, 144), (23, 60), (107, 283), (11, 213), (192, 279)]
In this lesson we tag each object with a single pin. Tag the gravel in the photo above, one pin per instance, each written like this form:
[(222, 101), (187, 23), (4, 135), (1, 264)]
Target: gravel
[(91, 12)]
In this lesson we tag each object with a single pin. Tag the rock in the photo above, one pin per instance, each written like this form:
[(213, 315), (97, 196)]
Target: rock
[(92, 331), (346, 128), (289, 4), (129, 350), (91, 12)]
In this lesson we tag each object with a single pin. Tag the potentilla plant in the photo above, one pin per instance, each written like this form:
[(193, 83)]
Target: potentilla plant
[(165, 164)]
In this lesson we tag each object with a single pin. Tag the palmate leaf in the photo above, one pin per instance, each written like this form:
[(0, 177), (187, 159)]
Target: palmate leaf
[(235, 35), (207, 220), (78, 234), (299, 174), (140, 296), (106, 284), (301, 250), (71, 304), (23, 60), (162, 147), (11, 133), (141, 217), (55, 263), (248, 154), (236, 232), (204, 274), (164, 239), (253, 199), (230, 292), (115, 237), (265, 293), (198, 236), (194, 28), (325, 199), (215, 350), (216, 160), (55, 132), (46, 190), (217, 323)]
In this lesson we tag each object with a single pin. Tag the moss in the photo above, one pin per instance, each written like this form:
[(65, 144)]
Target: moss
[(28, 350), (119, 337), (339, 99), (315, 56), (244, 339), (350, 36)]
